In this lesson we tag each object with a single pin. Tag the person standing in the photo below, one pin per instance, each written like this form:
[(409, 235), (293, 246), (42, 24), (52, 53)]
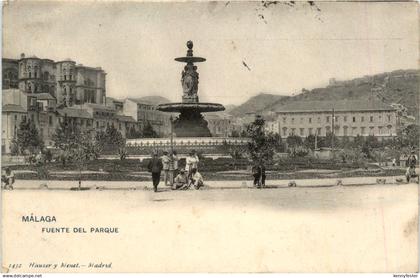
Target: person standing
[(262, 167), (256, 173), (191, 163), (166, 161), (155, 167), (175, 163), (411, 170)]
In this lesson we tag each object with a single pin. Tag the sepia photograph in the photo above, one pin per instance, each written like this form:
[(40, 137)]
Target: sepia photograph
[(210, 137)]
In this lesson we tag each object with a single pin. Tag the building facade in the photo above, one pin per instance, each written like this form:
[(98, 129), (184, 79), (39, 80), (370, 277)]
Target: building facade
[(69, 83), (143, 112), (348, 118)]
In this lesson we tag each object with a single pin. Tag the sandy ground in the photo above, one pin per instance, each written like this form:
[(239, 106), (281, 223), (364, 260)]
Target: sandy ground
[(370, 228)]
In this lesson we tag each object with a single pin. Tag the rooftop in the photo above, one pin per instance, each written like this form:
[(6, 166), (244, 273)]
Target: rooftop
[(98, 106), (124, 118), (344, 105), (42, 96), (13, 108), (74, 113)]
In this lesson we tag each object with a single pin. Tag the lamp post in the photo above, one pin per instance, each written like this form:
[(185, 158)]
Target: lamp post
[(172, 133)]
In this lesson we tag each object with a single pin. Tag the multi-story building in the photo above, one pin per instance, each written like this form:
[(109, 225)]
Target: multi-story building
[(348, 118), (220, 124), (144, 112), (69, 83), (42, 110)]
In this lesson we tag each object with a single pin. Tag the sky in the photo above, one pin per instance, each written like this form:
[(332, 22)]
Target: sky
[(285, 46)]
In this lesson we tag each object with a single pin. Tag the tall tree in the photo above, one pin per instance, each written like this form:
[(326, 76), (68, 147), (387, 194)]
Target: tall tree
[(111, 140), (148, 131), (28, 138), (261, 146)]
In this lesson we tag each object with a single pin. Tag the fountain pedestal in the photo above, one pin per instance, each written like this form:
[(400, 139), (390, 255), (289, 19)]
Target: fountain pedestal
[(190, 122)]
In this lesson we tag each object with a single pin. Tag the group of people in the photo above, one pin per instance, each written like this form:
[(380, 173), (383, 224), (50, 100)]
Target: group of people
[(411, 170), (173, 176)]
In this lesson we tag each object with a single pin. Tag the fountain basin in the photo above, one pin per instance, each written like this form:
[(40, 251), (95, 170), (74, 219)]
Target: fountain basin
[(198, 107)]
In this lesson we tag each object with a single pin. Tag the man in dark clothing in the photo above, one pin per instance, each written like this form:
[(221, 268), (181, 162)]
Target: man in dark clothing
[(258, 171), (155, 167)]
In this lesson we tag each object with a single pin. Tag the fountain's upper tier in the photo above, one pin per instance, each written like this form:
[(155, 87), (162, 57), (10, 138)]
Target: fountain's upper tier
[(190, 57)]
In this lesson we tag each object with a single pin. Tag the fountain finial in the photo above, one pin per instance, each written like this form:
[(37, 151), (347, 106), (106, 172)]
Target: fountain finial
[(190, 46)]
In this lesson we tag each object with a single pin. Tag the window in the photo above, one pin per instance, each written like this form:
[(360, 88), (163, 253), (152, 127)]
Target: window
[(328, 119), (15, 118), (293, 131), (318, 131), (97, 124), (389, 118), (284, 120), (371, 119), (284, 131), (293, 120), (362, 119), (302, 131), (310, 131), (363, 130), (319, 119), (24, 118), (310, 120), (354, 119), (301, 120), (345, 130), (50, 121)]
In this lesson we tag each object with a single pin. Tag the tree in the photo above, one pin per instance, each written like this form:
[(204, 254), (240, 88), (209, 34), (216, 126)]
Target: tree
[(260, 145), (309, 142), (234, 133), (370, 143), (28, 138), (293, 141), (148, 131), (132, 133), (411, 135), (328, 140), (111, 140), (74, 144)]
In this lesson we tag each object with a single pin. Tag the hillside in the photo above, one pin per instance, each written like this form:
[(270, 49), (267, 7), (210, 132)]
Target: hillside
[(400, 86), (255, 104), (153, 100)]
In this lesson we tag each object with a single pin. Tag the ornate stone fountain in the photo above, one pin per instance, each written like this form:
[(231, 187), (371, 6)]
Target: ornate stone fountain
[(190, 122)]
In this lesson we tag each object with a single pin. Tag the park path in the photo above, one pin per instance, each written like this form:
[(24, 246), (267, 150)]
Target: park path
[(139, 185)]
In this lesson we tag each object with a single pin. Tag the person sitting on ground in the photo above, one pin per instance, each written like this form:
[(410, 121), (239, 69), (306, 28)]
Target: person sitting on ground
[(8, 178), (196, 179), (411, 173), (181, 180)]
